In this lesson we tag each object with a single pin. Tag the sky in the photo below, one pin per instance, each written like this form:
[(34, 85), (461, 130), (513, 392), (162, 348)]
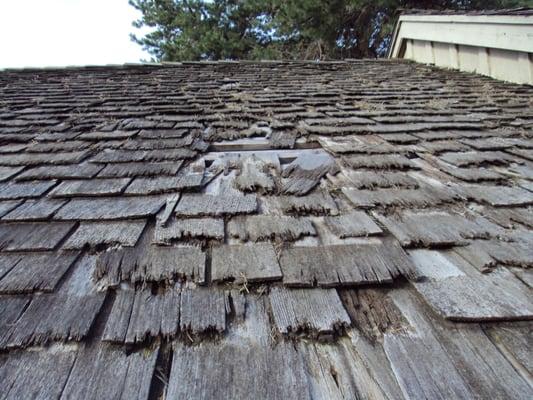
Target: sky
[(44, 33)]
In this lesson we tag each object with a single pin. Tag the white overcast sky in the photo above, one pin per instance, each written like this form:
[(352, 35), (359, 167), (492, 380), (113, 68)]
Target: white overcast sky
[(41, 33)]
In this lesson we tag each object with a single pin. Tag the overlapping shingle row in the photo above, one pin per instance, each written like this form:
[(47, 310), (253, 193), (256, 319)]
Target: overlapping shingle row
[(236, 230)]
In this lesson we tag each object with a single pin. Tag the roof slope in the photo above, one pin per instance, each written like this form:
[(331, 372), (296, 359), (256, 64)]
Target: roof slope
[(265, 230)]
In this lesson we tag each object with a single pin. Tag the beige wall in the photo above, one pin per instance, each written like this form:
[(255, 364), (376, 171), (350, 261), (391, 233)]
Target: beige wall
[(500, 47)]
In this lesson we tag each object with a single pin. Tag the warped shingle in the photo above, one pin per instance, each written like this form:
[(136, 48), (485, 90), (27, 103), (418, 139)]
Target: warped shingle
[(215, 205), (110, 208), (254, 176), (267, 227), (305, 172), (350, 264), (245, 263)]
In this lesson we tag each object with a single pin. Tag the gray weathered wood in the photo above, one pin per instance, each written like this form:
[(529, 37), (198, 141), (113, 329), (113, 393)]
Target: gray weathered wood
[(8, 205), (498, 196), (516, 343), (437, 228), (338, 265), (368, 179), (92, 234), (353, 224), (202, 311), (33, 236), (152, 315), (305, 172), (90, 187), (125, 156), (22, 190), (316, 203), (35, 210), (124, 170), (165, 184), (251, 372), (43, 158), (459, 292), (245, 263), (422, 197), (8, 172), (76, 171), (146, 263), (11, 308), (36, 374), (36, 272), (476, 158), (110, 208), (67, 314), (215, 205), (253, 176), (103, 371), (381, 161), (189, 228), (267, 227), (315, 311)]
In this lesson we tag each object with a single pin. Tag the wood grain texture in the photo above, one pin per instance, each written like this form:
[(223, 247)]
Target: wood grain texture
[(31, 272), (103, 371), (33, 236), (146, 263), (110, 208), (215, 205), (32, 210), (245, 263), (316, 203), (202, 311), (90, 187), (270, 227), (438, 228), (315, 311), (353, 224), (183, 229), (340, 265), (92, 234)]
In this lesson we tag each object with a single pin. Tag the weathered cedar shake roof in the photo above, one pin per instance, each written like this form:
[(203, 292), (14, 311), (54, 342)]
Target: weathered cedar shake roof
[(271, 230)]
